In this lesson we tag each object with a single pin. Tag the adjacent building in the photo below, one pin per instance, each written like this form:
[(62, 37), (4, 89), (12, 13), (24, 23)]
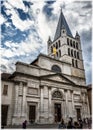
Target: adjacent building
[(89, 92)]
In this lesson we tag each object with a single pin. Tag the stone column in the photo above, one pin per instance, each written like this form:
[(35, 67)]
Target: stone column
[(49, 100), (20, 99), (46, 108), (66, 93), (50, 106), (16, 99), (42, 104), (87, 105), (42, 99), (24, 103), (88, 110), (63, 105), (73, 111), (83, 105), (65, 109)]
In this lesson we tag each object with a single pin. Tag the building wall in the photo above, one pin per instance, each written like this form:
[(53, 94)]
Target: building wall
[(65, 68), (7, 99), (30, 91)]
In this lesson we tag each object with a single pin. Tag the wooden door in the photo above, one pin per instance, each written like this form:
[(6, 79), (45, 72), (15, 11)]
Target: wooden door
[(32, 113), (57, 112), (78, 113), (4, 113)]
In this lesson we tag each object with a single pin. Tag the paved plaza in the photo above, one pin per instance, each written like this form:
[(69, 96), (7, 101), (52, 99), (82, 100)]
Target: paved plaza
[(41, 126)]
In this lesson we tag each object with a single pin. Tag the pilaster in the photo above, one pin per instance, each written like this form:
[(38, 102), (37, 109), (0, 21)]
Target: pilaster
[(24, 103), (20, 94), (16, 99), (73, 109), (20, 103), (50, 106), (66, 97), (42, 104)]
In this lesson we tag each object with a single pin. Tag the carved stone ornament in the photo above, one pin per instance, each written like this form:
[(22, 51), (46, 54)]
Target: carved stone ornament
[(17, 82), (81, 99), (57, 94)]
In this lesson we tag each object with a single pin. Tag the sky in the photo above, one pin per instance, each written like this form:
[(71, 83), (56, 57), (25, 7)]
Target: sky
[(26, 26)]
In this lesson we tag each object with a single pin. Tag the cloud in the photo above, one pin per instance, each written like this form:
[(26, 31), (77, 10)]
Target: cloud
[(17, 4), (11, 10), (2, 19), (24, 37)]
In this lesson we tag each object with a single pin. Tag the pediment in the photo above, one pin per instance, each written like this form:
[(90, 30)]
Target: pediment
[(58, 78)]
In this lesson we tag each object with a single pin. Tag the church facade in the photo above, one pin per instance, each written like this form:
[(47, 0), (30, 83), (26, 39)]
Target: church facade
[(52, 87)]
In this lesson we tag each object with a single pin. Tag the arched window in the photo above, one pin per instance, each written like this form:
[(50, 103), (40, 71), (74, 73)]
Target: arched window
[(56, 68), (73, 62), (57, 94), (59, 53), (72, 53), (71, 43), (76, 64), (59, 43), (68, 41), (77, 55), (69, 51), (76, 45), (51, 49), (56, 45)]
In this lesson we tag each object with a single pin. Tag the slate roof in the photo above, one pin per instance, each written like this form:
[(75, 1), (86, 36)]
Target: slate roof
[(62, 24)]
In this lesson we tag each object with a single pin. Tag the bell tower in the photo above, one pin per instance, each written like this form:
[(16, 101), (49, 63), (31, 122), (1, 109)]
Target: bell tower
[(68, 48)]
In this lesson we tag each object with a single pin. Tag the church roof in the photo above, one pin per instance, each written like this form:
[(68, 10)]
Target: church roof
[(46, 56), (62, 24), (5, 76)]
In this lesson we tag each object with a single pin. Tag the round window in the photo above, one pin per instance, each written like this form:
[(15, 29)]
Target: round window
[(56, 68)]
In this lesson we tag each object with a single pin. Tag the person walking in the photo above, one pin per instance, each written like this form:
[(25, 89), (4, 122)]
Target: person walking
[(70, 125), (24, 125), (80, 123), (76, 125), (62, 125)]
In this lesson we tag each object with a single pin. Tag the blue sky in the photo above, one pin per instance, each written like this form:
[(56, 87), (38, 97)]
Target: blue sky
[(26, 26)]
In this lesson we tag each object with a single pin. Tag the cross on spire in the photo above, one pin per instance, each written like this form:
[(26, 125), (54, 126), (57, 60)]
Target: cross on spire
[(61, 8)]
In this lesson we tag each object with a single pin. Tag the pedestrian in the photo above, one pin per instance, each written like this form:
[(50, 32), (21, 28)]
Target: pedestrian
[(2, 126), (62, 124), (69, 125), (88, 122), (76, 125), (80, 123), (24, 125)]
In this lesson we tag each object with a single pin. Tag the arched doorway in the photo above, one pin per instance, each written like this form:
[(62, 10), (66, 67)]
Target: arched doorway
[(57, 110), (57, 105)]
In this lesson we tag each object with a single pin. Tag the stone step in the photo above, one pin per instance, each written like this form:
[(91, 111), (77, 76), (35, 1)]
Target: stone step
[(54, 126)]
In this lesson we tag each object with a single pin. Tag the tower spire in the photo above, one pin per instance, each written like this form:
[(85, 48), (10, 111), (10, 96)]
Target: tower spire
[(62, 23)]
